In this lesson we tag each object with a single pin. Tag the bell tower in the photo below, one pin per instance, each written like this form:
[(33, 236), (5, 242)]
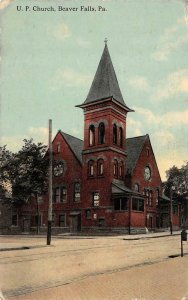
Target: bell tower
[(104, 153)]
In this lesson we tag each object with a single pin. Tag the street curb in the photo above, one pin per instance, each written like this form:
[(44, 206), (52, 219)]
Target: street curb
[(150, 237), (24, 247)]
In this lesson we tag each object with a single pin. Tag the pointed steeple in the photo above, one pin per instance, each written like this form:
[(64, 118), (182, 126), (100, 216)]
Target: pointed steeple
[(105, 83)]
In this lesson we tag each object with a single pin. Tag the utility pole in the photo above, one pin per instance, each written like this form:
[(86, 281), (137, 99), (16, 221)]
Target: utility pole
[(49, 229), (130, 206), (171, 229)]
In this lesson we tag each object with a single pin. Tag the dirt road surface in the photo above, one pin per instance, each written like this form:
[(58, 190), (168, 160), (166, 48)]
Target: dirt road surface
[(94, 268)]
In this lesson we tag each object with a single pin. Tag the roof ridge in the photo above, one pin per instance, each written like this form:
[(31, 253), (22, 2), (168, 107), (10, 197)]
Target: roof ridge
[(71, 135), (139, 136)]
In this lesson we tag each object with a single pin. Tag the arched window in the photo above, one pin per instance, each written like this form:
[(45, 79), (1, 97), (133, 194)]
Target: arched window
[(77, 192), (158, 195), (63, 194), (101, 133), (91, 168), (121, 170), (150, 198), (100, 167), (121, 137), (136, 187), (115, 168), (147, 196), (58, 148), (115, 134), (91, 135)]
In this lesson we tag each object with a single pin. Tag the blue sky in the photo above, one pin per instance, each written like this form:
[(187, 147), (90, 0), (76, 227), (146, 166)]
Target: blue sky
[(48, 61)]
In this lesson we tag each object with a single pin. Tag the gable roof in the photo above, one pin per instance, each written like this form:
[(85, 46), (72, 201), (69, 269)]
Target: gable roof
[(75, 144), (134, 147)]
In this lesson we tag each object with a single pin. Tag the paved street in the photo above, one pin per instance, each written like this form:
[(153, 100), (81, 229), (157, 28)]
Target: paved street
[(94, 268)]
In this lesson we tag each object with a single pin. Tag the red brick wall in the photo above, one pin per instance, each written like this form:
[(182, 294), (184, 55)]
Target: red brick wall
[(72, 174), (137, 219), (102, 184), (152, 184)]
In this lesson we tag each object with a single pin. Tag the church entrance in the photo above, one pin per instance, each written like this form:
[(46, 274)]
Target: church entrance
[(75, 221), (26, 224), (150, 222)]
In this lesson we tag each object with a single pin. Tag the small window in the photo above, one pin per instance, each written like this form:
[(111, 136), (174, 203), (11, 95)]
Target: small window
[(39, 199), (136, 187), (157, 198), (115, 168), (38, 220), (121, 204), (77, 192), (91, 168), (53, 219), (101, 133), (100, 167), (15, 220), (150, 198), (138, 204), (121, 137), (58, 148), (147, 196), (147, 151), (63, 194), (121, 170), (175, 209), (91, 135), (115, 134), (62, 220), (56, 195), (88, 214), (101, 222), (96, 199)]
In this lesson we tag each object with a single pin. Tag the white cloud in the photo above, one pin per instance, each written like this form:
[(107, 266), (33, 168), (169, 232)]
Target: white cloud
[(83, 43), (169, 119), (70, 78), (175, 83), (139, 82), (164, 136), (62, 31), (15, 143), (133, 127), (4, 3), (39, 134), (166, 162), (183, 20), (173, 118), (162, 53), (148, 115), (171, 40)]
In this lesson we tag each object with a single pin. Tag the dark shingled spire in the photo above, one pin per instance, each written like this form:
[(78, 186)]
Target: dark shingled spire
[(105, 82)]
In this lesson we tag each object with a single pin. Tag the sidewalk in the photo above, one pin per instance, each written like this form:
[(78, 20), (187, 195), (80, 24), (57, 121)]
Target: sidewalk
[(23, 240), (9, 243), (151, 235), (165, 280)]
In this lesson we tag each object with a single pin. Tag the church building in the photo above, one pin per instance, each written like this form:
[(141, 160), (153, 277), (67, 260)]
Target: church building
[(106, 182)]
